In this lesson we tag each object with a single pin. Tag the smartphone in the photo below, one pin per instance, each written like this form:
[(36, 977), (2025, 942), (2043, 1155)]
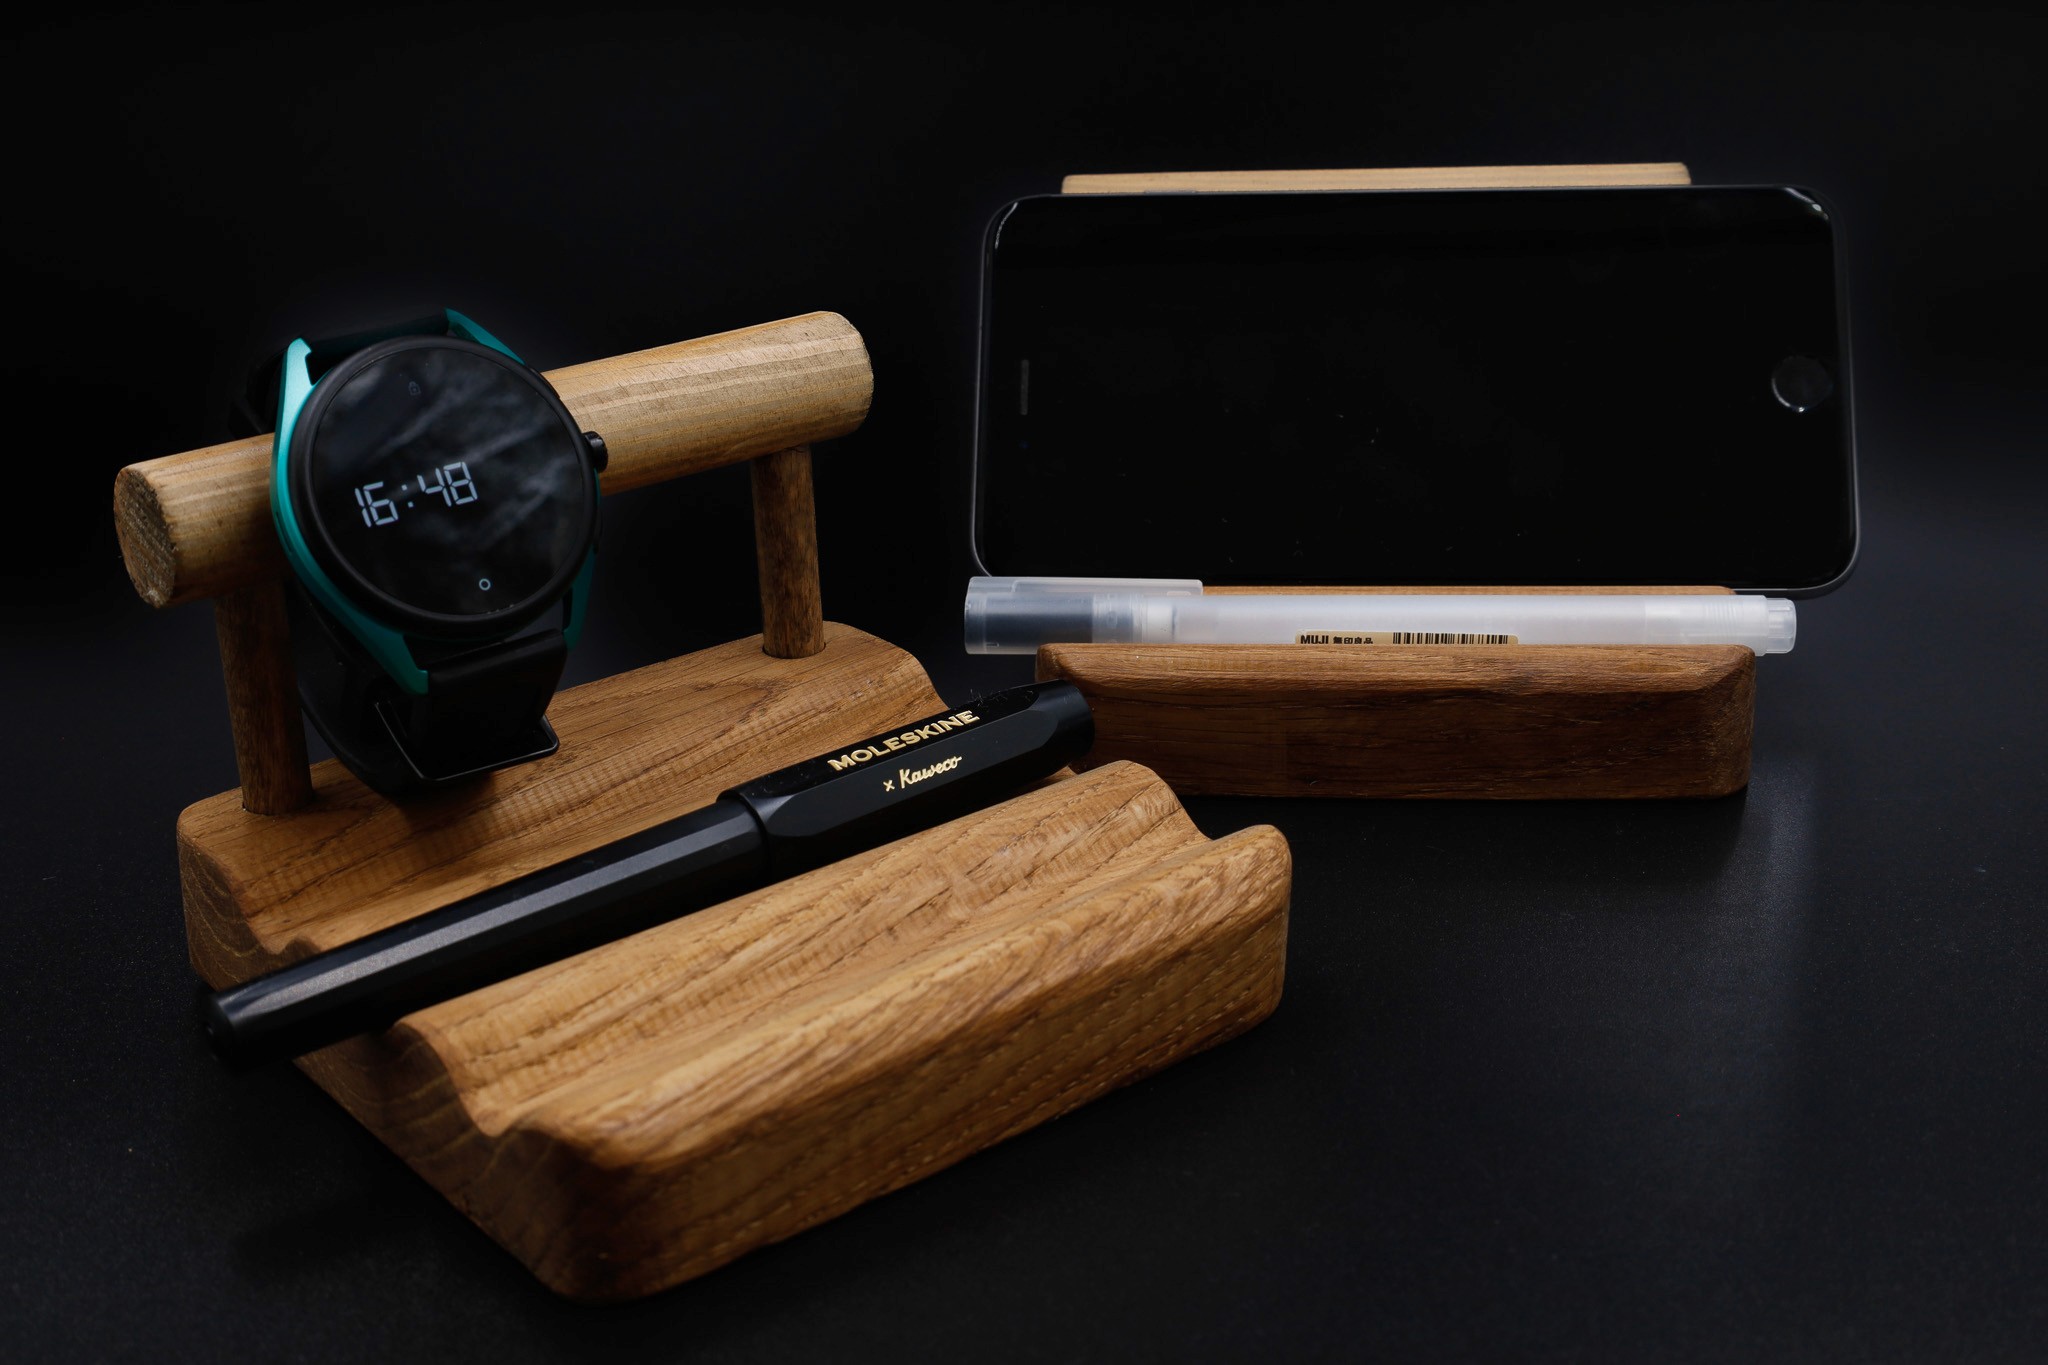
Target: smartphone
[(1462, 387)]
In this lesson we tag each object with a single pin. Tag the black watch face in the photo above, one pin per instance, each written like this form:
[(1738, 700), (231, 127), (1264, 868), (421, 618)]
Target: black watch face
[(446, 479)]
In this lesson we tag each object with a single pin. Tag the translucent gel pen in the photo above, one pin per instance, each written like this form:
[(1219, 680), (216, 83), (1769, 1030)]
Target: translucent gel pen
[(1016, 615)]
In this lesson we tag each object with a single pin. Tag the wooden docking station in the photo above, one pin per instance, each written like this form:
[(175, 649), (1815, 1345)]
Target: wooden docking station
[(1489, 721), (646, 1111)]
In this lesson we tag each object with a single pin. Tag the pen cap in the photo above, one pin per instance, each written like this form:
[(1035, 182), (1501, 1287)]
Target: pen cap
[(1017, 615), (1781, 626), (1768, 625)]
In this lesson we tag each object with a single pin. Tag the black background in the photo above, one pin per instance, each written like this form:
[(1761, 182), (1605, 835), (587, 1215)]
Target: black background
[(1755, 1078)]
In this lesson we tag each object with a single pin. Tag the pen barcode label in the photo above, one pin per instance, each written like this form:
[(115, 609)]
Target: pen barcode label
[(1402, 637)]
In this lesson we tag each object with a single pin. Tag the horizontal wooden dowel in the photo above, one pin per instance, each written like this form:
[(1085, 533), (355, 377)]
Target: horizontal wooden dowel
[(1384, 178), (198, 525), (786, 544), (696, 405)]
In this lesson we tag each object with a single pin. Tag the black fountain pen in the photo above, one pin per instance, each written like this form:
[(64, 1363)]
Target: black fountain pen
[(800, 817)]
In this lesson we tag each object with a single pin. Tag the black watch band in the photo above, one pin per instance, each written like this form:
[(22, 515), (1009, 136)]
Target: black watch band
[(485, 707), (255, 412)]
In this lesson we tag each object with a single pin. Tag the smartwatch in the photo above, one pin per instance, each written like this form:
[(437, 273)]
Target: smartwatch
[(437, 505)]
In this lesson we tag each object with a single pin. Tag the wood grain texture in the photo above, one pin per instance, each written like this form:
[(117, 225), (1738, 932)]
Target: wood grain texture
[(654, 1108), (1382, 178), (636, 749), (786, 551), (1510, 721), (254, 633), (198, 524), (649, 1110)]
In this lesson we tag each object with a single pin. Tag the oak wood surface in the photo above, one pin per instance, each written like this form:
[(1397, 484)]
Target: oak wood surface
[(1506, 721), (786, 548), (636, 749), (648, 1110), (1515, 722), (1382, 178), (198, 524), (254, 635), (656, 1107)]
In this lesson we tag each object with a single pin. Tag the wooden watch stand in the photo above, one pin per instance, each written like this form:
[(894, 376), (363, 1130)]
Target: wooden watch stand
[(644, 1112), (1509, 721)]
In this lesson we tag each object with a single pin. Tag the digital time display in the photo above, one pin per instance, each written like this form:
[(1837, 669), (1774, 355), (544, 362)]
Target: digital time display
[(453, 484), (447, 479)]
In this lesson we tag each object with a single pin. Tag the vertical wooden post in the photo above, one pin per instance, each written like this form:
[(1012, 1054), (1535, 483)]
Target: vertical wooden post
[(263, 697), (786, 545)]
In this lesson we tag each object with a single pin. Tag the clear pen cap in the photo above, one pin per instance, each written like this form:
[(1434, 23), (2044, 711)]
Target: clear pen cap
[(1017, 615)]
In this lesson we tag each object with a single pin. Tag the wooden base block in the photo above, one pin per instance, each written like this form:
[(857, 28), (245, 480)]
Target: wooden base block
[(1479, 721), (649, 1110)]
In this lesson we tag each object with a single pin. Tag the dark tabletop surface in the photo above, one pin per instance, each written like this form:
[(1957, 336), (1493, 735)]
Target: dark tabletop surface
[(1756, 1078)]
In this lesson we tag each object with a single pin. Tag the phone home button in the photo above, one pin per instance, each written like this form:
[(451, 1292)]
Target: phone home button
[(1802, 383)]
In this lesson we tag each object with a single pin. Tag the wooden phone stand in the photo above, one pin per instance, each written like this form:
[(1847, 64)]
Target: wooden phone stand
[(1508, 721), (644, 1112)]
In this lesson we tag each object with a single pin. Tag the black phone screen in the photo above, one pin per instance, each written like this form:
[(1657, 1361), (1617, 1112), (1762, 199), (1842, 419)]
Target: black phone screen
[(1629, 386)]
